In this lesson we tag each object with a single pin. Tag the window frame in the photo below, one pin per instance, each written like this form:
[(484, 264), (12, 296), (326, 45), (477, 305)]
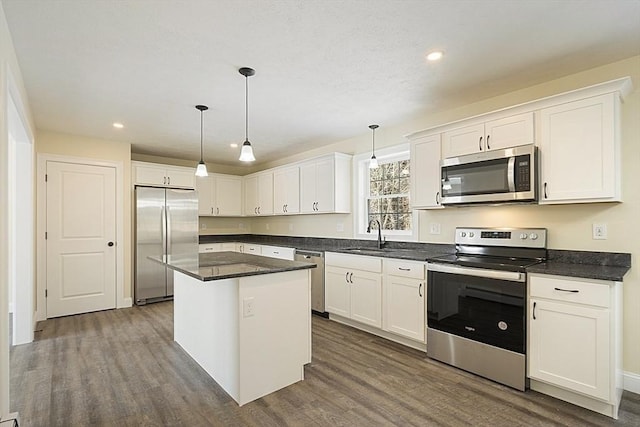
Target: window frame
[(361, 194)]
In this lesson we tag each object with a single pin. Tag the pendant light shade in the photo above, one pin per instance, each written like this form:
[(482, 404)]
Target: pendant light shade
[(201, 170), (246, 154), (373, 163)]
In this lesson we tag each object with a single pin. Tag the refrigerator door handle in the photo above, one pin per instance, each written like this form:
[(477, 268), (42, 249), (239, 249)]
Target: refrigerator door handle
[(168, 230), (163, 229)]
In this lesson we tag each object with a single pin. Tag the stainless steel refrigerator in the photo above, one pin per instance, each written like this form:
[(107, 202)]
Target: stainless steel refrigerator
[(166, 223)]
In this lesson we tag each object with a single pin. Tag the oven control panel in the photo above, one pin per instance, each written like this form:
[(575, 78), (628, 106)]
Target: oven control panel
[(518, 237)]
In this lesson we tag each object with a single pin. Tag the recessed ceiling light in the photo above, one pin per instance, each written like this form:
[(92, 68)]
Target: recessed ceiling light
[(233, 145), (435, 55), (118, 125)]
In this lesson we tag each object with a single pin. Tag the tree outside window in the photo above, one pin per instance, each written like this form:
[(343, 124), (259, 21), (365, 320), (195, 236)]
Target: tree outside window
[(388, 198)]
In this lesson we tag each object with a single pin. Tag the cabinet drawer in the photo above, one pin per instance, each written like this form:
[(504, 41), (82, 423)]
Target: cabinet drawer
[(252, 249), (278, 252), (570, 290), (403, 268), (354, 262), (209, 247)]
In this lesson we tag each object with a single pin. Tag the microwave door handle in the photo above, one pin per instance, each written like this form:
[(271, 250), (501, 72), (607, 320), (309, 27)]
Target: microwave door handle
[(511, 176)]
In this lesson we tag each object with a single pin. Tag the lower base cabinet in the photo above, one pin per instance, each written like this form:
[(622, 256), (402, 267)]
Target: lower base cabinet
[(575, 344), (354, 294), (404, 299)]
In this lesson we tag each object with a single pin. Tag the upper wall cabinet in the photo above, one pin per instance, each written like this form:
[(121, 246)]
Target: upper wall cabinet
[(258, 194), (325, 184), (497, 134), (163, 175), (580, 151), (286, 190), (219, 195), (425, 172)]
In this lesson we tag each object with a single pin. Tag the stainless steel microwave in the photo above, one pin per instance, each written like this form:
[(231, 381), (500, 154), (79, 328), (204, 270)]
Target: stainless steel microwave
[(498, 176)]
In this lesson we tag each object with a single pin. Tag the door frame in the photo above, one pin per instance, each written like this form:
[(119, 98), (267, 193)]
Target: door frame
[(41, 209)]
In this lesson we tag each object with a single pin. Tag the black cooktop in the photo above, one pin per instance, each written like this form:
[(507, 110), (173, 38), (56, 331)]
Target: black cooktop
[(487, 262)]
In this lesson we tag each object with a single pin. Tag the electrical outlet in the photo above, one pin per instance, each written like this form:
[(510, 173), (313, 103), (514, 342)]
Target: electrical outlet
[(203, 226), (599, 231), (247, 307), (340, 227), (434, 228), (267, 226)]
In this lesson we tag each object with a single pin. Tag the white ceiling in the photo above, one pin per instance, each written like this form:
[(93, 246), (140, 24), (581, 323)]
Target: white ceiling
[(325, 70)]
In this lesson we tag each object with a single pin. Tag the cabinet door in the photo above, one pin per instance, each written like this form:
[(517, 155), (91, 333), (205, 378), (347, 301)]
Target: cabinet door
[(569, 346), (265, 194), (509, 132), (325, 184), (578, 151), (308, 187), (251, 196), (206, 195), (181, 177), (366, 297), (151, 175), (425, 172), (337, 292), (286, 190), (228, 195), (466, 140), (404, 307)]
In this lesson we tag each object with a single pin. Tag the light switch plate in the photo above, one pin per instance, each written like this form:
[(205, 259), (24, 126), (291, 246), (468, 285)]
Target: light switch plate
[(599, 231), (434, 228)]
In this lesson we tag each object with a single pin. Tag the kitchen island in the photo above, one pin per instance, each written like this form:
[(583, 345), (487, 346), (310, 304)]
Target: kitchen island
[(245, 319)]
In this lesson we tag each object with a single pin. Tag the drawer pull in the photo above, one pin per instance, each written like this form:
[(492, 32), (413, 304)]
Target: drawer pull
[(420, 290), (404, 269), (573, 291), (534, 310)]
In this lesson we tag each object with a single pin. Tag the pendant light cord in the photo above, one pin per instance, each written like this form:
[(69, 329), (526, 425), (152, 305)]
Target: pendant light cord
[(201, 153), (246, 108)]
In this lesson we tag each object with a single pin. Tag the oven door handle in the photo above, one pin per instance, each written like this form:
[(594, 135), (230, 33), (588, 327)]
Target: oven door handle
[(512, 276)]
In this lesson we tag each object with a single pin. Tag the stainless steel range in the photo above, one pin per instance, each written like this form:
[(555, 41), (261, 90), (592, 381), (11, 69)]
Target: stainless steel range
[(476, 302)]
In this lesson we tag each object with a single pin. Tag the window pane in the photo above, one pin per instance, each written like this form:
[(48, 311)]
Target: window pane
[(375, 188), (403, 186), (375, 174), (391, 170), (404, 222), (405, 169), (389, 221), (390, 186), (403, 205), (373, 206)]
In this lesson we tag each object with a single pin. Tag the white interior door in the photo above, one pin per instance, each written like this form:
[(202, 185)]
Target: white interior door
[(81, 237)]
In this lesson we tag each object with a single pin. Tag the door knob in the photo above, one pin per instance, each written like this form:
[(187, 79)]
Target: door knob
[(110, 244)]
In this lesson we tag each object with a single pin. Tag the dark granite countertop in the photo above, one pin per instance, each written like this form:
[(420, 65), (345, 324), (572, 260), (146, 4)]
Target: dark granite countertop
[(228, 265), (582, 264), (584, 271)]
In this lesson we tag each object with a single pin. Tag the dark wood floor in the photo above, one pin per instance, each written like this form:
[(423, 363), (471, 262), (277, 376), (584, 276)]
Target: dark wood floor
[(122, 368)]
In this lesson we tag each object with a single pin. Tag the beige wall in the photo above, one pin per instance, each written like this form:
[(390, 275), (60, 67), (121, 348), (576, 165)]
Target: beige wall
[(569, 225), (98, 149)]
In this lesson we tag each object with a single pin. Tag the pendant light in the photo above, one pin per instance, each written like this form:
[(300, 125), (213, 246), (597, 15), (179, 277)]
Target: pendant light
[(201, 170), (373, 163), (246, 154)]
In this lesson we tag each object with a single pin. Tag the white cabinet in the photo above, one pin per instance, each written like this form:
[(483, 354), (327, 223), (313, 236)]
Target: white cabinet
[(574, 347), (250, 248), (286, 190), (325, 184), (425, 172), (258, 193), (163, 175), (579, 151), (216, 247), (503, 132), (219, 195), (278, 252), (353, 287), (403, 299)]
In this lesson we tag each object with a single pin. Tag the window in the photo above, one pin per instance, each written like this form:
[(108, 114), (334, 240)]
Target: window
[(388, 199), (383, 194)]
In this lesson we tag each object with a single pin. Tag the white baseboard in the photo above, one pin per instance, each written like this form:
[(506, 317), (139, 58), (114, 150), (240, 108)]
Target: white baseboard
[(631, 382), (126, 303)]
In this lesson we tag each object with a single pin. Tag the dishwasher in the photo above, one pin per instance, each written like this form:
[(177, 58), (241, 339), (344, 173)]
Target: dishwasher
[(317, 279)]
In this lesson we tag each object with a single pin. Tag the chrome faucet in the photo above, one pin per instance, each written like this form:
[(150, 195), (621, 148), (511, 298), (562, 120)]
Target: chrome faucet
[(380, 242)]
